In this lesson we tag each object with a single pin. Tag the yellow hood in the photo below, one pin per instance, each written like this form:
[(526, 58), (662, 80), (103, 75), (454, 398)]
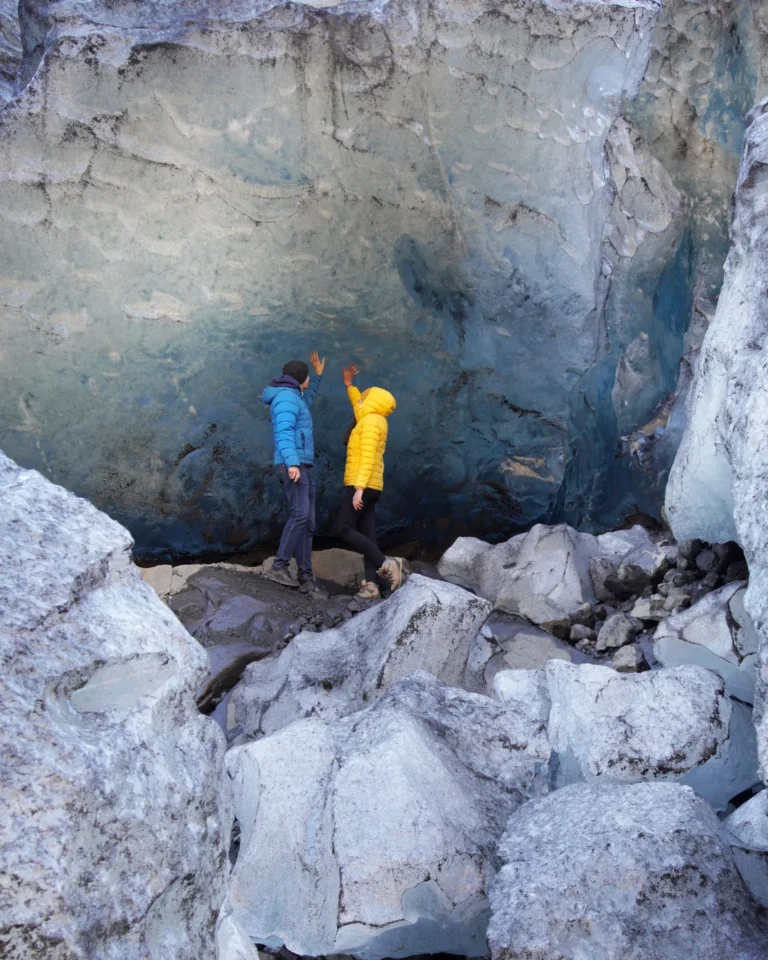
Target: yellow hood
[(377, 400)]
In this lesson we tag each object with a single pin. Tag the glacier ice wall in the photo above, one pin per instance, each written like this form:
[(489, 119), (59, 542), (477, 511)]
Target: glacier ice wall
[(419, 187), (447, 193), (717, 484)]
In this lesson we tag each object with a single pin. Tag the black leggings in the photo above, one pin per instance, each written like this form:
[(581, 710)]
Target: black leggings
[(357, 529)]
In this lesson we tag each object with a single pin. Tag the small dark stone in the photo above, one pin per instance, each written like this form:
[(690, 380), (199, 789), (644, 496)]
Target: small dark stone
[(602, 611), (584, 615), (689, 549), (737, 571), (707, 561), (727, 553), (711, 581), (681, 578)]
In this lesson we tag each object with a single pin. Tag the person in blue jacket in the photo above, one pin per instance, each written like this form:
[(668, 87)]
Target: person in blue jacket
[(289, 399)]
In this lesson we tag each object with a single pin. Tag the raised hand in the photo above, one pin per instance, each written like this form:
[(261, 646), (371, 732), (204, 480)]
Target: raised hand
[(318, 365), (349, 373)]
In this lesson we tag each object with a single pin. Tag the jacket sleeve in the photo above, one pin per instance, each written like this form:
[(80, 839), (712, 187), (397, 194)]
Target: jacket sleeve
[(354, 398), (311, 392), (373, 439), (284, 412)]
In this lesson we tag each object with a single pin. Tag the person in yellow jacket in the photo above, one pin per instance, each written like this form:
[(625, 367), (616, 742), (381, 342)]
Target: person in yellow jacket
[(364, 481)]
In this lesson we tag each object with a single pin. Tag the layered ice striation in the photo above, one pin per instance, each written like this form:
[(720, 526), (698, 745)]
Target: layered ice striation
[(717, 484), (446, 193), (189, 201), (707, 67)]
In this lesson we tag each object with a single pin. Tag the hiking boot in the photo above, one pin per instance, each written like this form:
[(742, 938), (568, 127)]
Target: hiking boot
[(312, 588), (282, 576), (368, 591), (392, 569)]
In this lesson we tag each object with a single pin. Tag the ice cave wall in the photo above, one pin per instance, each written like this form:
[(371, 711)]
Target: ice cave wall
[(461, 196)]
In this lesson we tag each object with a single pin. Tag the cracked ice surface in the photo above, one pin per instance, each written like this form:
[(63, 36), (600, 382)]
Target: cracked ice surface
[(376, 835), (718, 481), (188, 203)]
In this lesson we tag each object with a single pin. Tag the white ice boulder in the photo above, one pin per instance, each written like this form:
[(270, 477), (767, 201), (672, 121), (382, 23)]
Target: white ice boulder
[(671, 724), (116, 825), (426, 625), (748, 826), (716, 633), (616, 544), (551, 562), (375, 835), (641, 872)]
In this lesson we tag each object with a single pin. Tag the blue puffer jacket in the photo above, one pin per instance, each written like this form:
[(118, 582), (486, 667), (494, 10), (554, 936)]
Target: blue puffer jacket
[(291, 419)]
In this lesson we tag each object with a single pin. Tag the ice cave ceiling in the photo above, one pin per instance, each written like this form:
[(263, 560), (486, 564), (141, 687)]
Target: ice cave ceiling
[(512, 214)]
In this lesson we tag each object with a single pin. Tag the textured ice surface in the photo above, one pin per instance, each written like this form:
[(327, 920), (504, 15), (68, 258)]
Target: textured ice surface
[(674, 723), (711, 635), (707, 68), (749, 826), (641, 872), (115, 825), (10, 47), (189, 201), (718, 482), (376, 835), (552, 562), (427, 625)]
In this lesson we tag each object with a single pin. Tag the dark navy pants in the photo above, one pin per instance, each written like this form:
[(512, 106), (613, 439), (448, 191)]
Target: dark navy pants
[(296, 540)]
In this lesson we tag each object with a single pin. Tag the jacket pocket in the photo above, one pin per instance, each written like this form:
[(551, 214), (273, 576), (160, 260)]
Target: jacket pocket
[(303, 440)]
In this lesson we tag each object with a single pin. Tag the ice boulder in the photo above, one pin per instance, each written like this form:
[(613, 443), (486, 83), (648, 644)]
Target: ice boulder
[(671, 724), (116, 824), (748, 826), (551, 563), (717, 633), (616, 544), (375, 835), (640, 872), (426, 624)]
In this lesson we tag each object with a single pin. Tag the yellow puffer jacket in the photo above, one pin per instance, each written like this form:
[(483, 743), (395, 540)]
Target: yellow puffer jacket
[(365, 450)]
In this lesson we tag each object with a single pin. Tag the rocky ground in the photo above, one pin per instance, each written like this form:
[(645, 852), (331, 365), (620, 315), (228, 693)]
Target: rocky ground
[(630, 610), (625, 658), (387, 770)]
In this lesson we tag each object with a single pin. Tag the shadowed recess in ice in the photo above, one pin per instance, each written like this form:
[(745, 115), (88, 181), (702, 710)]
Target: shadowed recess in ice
[(446, 194)]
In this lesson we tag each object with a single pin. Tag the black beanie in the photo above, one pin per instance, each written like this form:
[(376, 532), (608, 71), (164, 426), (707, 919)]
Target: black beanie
[(296, 369)]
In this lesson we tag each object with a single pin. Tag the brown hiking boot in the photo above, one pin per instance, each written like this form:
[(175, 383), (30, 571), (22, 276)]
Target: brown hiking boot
[(368, 591), (392, 569)]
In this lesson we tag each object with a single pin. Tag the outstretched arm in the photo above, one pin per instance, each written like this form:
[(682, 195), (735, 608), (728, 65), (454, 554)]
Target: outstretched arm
[(318, 366), (349, 373)]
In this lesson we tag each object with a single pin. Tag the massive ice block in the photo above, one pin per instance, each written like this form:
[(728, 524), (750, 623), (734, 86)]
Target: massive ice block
[(189, 200)]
